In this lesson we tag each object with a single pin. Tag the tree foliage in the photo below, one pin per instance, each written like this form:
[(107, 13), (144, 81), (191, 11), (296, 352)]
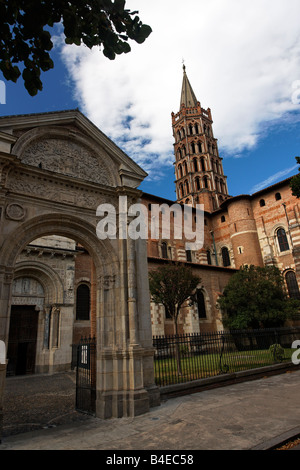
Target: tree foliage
[(171, 285), (255, 297), (25, 38), (295, 182)]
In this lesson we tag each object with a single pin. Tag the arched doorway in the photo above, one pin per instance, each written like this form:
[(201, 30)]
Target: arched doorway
[(57, 172), (27, 301)]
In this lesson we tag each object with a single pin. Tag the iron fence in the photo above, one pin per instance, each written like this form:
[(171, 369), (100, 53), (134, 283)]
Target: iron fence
[(183, 358), (84, 360)]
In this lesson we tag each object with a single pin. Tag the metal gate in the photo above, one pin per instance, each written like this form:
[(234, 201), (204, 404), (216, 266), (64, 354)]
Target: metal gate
[(85, 375)]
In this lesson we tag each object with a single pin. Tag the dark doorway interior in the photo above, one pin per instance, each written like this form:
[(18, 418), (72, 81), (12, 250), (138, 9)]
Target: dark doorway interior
[(22, 340)]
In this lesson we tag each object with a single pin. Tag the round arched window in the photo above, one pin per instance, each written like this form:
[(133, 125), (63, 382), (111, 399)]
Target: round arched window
[(292, 285), (282, 240), (83, 302), (225, 256)]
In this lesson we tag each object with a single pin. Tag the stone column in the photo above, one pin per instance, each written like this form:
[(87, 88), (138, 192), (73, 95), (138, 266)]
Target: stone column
[(2, 382), (93, 300), (138, 397), (132, 301), (6, 278), (121, 358)]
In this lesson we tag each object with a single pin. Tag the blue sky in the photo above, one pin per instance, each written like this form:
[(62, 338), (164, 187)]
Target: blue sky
[(242, 62)]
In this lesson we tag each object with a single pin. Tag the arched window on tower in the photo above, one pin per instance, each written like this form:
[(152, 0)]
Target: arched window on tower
[(193, 147), (197, 182), (195, 164), (187, 189), (208, 255), (277, 196), (222, 184), (292, 285), (179, 171), (225, 256), (191, 129), (184, 166), (217, 184), (282, 240), (205, 180), (83, 302), (200, 147), (181, 193), (179, 154), (197, 128), (202, 163)]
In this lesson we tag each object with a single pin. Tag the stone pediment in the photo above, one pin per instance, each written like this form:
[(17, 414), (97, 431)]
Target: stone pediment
[(67, 143)]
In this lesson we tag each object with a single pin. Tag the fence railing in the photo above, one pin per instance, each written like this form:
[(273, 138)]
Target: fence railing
[(188, 357), (84, 361)]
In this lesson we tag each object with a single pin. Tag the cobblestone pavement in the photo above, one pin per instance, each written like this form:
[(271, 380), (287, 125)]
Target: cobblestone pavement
[(39, 401), (257, 415)]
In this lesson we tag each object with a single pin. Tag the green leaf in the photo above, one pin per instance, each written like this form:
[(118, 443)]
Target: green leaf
[(119, 5), (144, 32), (109, 53)]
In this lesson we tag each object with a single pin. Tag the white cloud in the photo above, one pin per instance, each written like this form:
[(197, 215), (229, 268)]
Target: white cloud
[(273, 179), (242, 59)]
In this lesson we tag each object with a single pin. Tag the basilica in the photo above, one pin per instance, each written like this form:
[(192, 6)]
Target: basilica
[(59, 282)]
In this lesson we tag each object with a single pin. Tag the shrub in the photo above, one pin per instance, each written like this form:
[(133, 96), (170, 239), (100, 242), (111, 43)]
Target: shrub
[(277, 352)]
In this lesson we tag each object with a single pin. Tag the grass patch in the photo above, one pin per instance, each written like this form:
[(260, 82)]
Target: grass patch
[(205, 365)]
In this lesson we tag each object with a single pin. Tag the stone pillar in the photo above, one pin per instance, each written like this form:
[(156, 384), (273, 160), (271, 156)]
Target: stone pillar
[(132, 306), (123, 361), (6, 278), (138, 396), (93, 300), (2, 382)]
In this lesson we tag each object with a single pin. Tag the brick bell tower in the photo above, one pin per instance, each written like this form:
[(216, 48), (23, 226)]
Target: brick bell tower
[(199, 176)]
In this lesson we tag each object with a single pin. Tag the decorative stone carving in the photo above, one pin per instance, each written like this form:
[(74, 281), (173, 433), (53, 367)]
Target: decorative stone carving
[(107, 282), (15, 212), (47, 189), (67, 158)]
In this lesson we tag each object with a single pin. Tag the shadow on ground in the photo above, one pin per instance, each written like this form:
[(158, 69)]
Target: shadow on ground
[(39, 401)]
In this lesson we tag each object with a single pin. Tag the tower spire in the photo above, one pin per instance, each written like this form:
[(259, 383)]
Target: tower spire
[(199, 176), (188, 97)]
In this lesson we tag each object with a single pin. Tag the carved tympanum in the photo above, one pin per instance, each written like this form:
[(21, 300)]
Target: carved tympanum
[(68, 158)]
